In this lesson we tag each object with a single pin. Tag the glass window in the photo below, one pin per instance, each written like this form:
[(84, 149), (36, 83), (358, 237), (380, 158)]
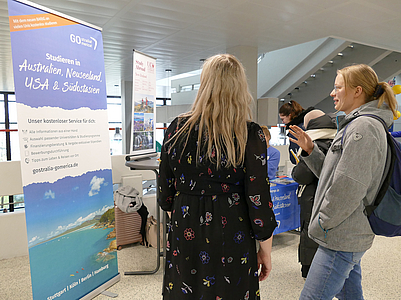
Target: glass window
[(114, 100), (4, 203), (14, 139), (2, 114), (278, 135), (114, 112), (116, 139), (18, 201), (12, 109), (14, 143), (187, 88), (149, 187), (3, 153)]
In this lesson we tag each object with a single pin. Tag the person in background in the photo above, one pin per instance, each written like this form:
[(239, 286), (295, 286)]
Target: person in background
[(321, 128), (396, 134), (349, 179), (273, 155), (292, 113), (213, 180)]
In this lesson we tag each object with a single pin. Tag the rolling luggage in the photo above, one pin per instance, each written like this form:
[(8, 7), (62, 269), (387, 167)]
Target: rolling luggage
[(128, 227)]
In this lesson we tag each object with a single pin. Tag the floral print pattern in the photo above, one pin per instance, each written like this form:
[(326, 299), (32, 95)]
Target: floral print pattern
[(204, 257), (239, 237), (216, 215), (189, 234)]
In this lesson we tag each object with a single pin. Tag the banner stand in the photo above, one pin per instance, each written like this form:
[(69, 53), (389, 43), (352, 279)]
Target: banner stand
[(61, 101), (143, 155), (153, 165), (102, 289), (109, 294)]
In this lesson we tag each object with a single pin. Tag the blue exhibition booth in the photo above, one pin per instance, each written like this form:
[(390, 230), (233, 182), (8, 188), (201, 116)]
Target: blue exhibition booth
[(285, 204)]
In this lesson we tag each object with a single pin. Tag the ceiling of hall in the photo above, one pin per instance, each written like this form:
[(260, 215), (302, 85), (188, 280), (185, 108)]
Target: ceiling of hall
[(181, 32)]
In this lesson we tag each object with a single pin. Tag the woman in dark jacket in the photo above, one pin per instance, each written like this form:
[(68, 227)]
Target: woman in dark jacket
[(323, 129), (292, 113)]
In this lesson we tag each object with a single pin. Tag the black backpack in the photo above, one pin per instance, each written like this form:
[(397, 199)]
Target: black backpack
[(385, 214)]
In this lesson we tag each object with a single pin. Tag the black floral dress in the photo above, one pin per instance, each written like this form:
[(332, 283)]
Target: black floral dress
[(216, 217)]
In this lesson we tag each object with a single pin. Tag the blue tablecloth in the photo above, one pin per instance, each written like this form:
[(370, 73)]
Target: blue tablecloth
[(285, 205)]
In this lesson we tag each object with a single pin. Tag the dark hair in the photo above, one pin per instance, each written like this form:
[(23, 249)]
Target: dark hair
[(292, 109)]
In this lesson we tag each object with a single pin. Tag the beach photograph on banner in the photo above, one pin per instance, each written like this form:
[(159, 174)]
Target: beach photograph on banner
[(79, 235)]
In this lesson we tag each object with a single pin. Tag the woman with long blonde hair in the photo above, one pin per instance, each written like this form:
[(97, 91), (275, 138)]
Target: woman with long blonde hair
[(348, 181), (213, 180)]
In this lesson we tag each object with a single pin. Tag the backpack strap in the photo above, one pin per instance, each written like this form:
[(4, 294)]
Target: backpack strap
[(388, 169)]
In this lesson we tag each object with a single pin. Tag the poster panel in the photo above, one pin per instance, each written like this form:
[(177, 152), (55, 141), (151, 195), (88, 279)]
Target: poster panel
[(65, 155), (143, 139), (285, 206)]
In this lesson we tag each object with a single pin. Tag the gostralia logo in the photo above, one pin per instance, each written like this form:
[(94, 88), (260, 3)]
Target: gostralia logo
[(87, 42)]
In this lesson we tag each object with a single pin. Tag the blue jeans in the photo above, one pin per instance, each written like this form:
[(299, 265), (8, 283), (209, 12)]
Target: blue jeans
[(334, 274)]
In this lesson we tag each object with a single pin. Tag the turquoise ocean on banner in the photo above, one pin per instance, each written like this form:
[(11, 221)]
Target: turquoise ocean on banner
[(70, 234), (80, 259)]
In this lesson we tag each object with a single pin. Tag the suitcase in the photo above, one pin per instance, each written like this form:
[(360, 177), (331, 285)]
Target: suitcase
[(128, 227)]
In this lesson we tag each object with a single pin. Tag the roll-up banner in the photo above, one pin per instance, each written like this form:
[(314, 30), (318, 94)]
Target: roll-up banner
[(143, 139), (66, 172)]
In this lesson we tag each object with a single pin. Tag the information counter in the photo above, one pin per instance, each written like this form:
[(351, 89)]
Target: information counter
[(285, 204)]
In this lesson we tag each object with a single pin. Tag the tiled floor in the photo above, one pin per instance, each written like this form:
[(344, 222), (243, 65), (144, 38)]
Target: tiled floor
[(381, 267)]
